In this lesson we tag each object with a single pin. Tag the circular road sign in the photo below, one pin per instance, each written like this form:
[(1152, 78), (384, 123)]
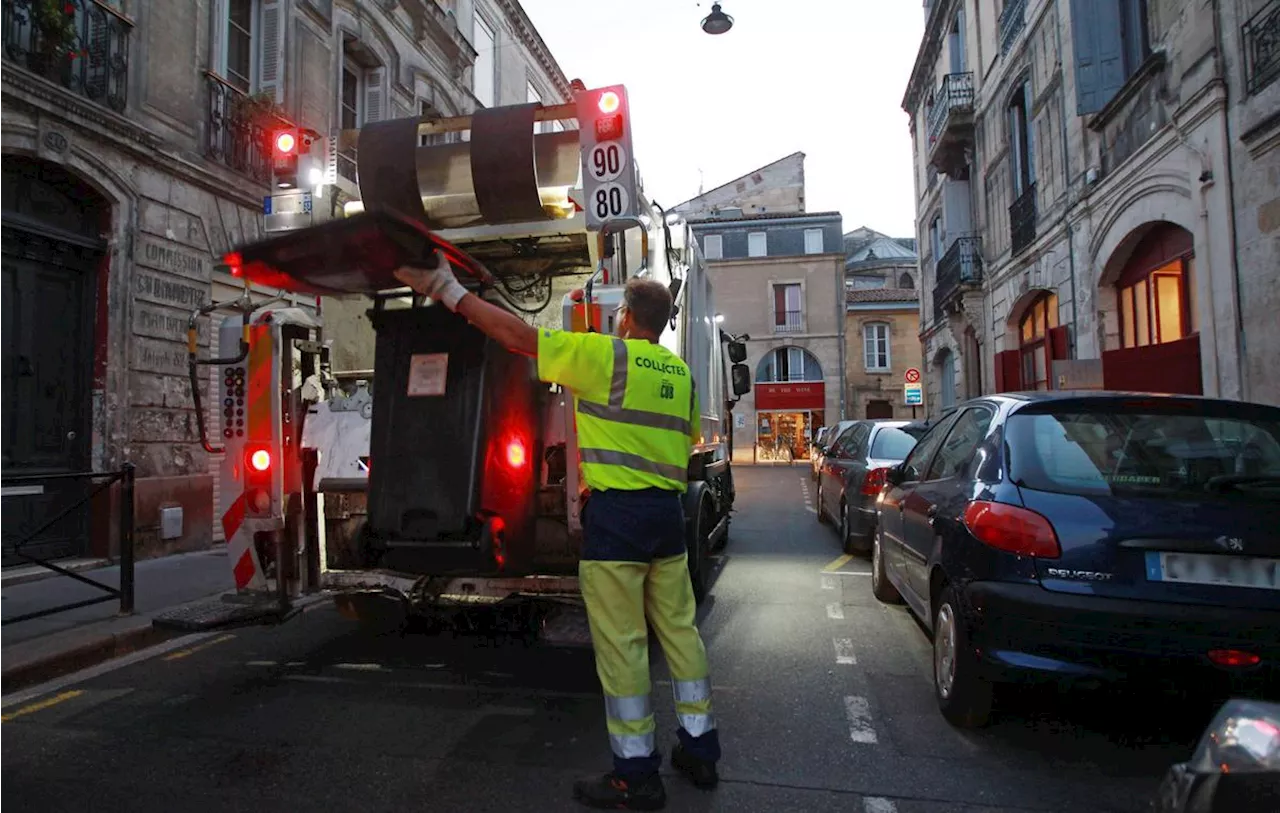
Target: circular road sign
[(912, 375)]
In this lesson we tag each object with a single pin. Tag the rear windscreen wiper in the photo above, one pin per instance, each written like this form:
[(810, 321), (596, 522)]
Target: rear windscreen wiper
[(1222, 482)]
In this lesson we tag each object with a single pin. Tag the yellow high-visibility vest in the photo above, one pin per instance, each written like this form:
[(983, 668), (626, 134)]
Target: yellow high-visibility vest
[(636, 408)]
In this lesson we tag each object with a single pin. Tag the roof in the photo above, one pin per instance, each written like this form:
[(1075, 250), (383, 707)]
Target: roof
[(759, 169), (702, 221), (882, 295)]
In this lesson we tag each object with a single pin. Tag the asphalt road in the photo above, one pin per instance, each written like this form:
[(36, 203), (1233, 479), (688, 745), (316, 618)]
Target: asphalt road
[(823, 697)]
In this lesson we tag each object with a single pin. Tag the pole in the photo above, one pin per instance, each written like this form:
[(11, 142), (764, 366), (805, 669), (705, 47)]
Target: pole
[(913, 412), (126, 541)]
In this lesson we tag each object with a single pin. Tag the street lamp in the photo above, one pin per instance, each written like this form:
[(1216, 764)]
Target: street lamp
[(717, 22), (719, 318)]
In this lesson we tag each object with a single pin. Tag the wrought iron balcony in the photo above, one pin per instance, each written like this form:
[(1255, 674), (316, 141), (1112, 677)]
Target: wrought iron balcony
[(78, 44), (239, 130), (1022, 220), (951, 122), (959, 268), (1262, 47), (1012, 20)]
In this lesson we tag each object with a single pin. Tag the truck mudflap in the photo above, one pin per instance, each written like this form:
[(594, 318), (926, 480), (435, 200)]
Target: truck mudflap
[(387, 598)]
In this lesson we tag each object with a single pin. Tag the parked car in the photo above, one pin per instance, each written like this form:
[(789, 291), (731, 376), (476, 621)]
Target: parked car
[(1094, 537), (853, 472), (820, 449)]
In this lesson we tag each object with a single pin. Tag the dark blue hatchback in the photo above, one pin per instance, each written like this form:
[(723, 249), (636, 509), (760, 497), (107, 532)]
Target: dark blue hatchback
[(1089, 536)]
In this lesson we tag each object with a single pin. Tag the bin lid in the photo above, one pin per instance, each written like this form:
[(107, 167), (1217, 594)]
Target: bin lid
[(354, 255)]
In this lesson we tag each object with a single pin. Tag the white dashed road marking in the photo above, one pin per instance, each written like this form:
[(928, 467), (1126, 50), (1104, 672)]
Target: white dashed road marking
[(878, 804), (844, 651), (858, 710), (835, 611)]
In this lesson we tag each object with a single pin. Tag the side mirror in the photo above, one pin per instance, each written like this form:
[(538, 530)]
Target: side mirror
[(741, 375), (737, 352), (895, 476)]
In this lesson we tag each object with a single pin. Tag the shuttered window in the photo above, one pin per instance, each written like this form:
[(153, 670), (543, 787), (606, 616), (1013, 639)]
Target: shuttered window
[(1110, 42)]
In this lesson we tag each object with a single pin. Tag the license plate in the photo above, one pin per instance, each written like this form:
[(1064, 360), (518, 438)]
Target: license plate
[(1225, 571)]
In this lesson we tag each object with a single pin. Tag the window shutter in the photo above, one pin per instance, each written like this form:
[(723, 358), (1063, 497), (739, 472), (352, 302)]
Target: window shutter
[(374, 95), (1098, 40), (1009, 371), (271, 50), (1059, 343)]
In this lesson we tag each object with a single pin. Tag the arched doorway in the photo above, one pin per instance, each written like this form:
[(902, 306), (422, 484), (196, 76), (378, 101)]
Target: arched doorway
[(1034, 348), (1156, 303), (945, 361), (52, 252), (790, 398)]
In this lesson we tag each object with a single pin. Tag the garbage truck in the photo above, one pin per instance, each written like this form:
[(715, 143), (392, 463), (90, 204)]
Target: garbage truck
[(446, 479)]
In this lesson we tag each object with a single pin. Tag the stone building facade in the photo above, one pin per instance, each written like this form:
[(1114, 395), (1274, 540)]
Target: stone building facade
[(1084, 170), (135, 155)]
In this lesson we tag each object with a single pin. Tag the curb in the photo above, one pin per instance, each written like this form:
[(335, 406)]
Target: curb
[(38, 575), (81, 656)]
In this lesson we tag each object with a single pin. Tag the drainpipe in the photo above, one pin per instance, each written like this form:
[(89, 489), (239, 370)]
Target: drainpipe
[(842, 319), (1242, 344), (1071, 244)]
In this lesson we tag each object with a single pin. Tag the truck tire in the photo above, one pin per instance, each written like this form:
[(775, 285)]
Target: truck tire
[(698, 550)]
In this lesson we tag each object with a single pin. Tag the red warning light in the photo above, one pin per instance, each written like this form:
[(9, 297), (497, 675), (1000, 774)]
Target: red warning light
[(609, 102), (515, 454), (285, 142), (260, 460)]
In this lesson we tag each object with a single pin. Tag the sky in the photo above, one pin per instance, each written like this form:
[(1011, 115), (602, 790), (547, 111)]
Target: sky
[(823, 77)]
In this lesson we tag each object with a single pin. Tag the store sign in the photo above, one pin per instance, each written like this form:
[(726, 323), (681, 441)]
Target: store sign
[(791, 396)]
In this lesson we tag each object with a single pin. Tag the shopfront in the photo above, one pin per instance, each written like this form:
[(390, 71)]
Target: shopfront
[(787, 417)]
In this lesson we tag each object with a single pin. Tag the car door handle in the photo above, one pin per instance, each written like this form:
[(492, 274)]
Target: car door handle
[(931, 513)]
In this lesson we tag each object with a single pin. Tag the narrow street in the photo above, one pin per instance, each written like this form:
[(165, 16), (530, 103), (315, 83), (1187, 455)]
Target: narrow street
[(824, 700)]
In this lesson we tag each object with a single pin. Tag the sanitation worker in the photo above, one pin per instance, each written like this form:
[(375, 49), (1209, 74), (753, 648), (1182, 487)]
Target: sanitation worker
[(637, 417)]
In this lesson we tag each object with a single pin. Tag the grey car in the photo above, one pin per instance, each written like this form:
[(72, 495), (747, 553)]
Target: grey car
[(852, 473)]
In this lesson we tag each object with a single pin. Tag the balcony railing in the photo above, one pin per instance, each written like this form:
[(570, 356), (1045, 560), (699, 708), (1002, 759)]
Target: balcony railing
[(954, 96), (788, 322), (239, 131), (1262, 47), (79, 44), (961, 265), (1022, 220), (1012, 20)]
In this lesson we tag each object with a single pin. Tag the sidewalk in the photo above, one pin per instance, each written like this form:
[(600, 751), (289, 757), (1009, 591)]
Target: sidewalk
[(42, 648)]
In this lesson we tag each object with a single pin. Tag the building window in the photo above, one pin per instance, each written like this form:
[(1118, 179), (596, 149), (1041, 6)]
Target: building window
[(935, 239), (905, 281), (757, 244), (1033, 341), (788, 364), (485, 73), (531, 94), (241, 25), (713, 247), (359, 103), (813, 241), (1156, 290), (946, 365), (1110, 41), (1020, 140), (875, 347), (788, 310)]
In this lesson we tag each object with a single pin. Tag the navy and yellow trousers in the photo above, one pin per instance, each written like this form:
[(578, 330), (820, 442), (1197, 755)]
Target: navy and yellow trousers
[(635, 568)]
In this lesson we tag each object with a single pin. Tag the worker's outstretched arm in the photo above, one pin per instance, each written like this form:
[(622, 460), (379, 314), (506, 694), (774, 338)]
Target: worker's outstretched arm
[(439, 283)]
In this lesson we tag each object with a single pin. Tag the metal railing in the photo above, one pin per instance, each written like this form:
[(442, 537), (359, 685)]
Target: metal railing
[(1262, 47), (961, 265), (125, 591), (78, 44), (237, 137), (1012, 20), (788, 321), (1022, 220), (954, 96)]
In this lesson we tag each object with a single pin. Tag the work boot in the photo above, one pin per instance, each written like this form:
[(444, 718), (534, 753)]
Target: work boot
[(699, 771), (612, 792)]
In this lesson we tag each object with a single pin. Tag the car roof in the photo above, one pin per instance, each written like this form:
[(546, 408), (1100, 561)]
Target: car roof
[(1019, 400)]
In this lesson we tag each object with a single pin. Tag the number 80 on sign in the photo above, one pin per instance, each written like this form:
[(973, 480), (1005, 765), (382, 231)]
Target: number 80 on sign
[(610, 200)]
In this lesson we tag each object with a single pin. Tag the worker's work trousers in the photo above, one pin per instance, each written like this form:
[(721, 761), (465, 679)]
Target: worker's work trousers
[(634, 566)]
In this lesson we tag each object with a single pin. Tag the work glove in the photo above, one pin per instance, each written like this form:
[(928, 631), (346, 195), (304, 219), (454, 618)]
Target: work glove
[(434, 279)]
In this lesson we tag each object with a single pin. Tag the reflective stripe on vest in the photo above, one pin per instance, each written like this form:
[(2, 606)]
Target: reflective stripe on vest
[(650, 444)]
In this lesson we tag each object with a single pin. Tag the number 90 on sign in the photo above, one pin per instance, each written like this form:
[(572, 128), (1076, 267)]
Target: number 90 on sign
[(610, 200), (606, 161)]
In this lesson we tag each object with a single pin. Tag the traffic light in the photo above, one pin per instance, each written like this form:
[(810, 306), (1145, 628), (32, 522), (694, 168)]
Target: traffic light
[(286, 146), (260, 467)]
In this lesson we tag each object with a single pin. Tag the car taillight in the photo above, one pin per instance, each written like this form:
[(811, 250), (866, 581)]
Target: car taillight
[(874, 482), (1233, 658), (1012, 529)]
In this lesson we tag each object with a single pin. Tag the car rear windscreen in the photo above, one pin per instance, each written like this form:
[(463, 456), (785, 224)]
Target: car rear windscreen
[(892, 443), (1125, 452)]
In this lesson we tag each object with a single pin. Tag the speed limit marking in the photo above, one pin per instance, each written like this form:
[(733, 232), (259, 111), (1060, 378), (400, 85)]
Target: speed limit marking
[(607, 161), (610, 200)]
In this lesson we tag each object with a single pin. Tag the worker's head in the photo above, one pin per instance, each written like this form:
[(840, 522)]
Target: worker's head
[(646, 307)]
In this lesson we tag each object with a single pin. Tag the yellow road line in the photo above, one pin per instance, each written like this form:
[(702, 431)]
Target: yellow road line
[(42, 705), (838, 563), (183, 653)]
